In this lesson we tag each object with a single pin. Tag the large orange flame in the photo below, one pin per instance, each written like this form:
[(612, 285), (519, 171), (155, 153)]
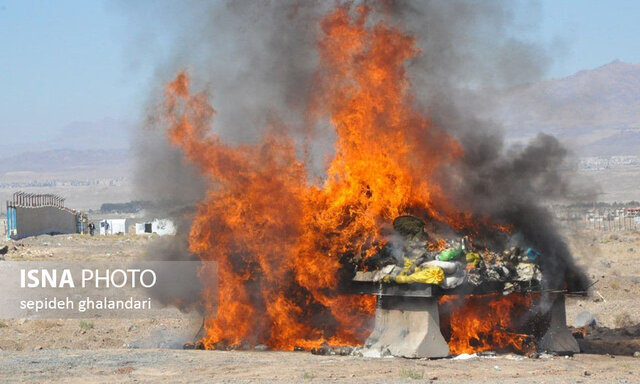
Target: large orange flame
[(279, 239), (486, 322)]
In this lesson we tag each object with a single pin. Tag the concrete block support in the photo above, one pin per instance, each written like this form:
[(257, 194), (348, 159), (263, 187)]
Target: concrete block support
[(558, 338), (408, 327)]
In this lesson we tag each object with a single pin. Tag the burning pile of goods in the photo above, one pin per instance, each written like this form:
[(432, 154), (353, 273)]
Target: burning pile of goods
[(413, 256), (439, 296), (287, 240)]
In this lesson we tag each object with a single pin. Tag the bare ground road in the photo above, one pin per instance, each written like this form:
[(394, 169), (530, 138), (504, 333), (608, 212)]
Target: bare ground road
[(174, 366)]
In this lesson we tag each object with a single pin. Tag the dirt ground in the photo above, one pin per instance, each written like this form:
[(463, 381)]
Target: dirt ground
[(148, 350), (153, 365)]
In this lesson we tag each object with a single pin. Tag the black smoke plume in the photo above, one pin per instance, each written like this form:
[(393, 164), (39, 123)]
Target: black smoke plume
[(259, 61)]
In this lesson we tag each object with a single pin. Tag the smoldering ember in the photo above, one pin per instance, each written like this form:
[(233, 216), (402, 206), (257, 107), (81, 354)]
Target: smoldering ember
[(412, 243)]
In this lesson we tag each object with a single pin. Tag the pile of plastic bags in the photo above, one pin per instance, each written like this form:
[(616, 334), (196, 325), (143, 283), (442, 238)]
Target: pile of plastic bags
[(411, 260)]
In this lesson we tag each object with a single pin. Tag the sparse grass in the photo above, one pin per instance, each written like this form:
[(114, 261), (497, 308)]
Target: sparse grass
[(86, 325), (623, 320), (124, 370), (308, 375), (614, 285), (413, 374), (628, 366), (3, 324), (44, 324)]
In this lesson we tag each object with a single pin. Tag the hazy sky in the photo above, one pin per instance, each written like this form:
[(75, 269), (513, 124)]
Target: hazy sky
[(67, 61)]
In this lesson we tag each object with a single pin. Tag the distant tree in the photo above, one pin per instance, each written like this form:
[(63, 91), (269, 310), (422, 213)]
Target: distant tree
[(129, 207)]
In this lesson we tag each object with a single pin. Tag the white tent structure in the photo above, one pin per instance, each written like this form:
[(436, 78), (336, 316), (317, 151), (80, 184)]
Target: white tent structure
[(161, 227), (113, 227)]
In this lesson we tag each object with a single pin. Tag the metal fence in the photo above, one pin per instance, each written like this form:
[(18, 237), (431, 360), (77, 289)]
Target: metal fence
[(35, 200), (614, 223), (39, 200)]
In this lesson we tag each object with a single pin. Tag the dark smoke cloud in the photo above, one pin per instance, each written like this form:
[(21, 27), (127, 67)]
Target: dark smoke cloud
[(470, 47), (258, 60), (469, 44), (512, 187)]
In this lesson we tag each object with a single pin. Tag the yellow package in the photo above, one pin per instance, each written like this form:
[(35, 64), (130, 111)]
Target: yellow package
[(473, 258), (427, 275)]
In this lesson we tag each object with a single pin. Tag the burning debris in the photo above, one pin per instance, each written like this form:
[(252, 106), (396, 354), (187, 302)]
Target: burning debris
[(490, 298), (449, 264), (289, 239)]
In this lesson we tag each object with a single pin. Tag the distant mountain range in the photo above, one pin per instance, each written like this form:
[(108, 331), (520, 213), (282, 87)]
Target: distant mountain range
[(104, 134), (65, 160), (77, 146), (597, 111), (100, 134)]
